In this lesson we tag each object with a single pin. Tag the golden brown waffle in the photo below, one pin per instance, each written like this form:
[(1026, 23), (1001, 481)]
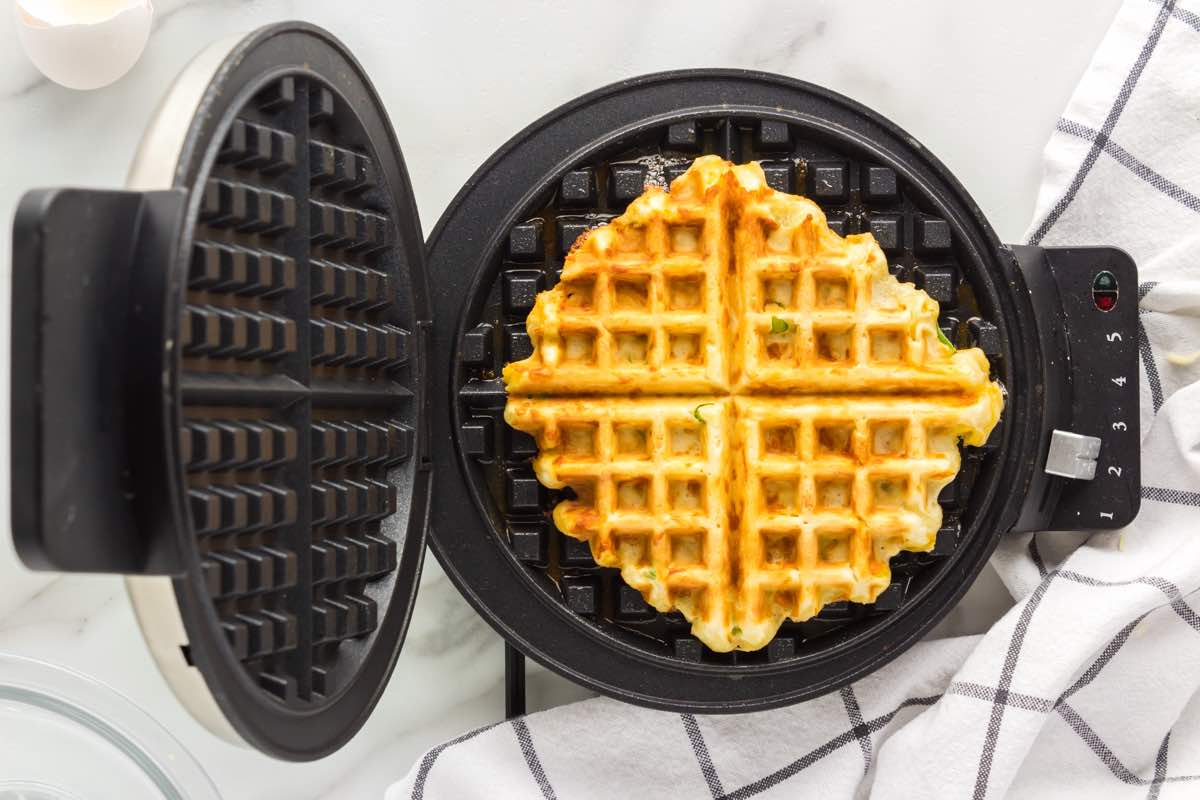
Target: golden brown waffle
[(815, 312), (640, 299), (652, 496), (800, 444), (828, 489)]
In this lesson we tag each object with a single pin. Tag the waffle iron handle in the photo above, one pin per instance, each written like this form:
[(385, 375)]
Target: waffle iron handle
[(1087, 464), (88, 307)]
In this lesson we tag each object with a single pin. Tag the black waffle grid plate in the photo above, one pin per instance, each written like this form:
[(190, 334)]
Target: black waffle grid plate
[(291, 191), (856, 194), (299, 370)]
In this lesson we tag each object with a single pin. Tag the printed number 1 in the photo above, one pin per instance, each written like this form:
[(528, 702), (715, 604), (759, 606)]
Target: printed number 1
[(1106, 515)]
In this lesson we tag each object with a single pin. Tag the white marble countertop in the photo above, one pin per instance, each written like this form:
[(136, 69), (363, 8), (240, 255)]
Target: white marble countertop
[(981, 85)]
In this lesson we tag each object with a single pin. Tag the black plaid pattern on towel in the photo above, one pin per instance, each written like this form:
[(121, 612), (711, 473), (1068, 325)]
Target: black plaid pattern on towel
[(1090, 686)]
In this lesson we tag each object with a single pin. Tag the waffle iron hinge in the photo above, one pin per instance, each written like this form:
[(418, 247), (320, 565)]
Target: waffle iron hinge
[(1087, 464), (424, 335), (89, 437)]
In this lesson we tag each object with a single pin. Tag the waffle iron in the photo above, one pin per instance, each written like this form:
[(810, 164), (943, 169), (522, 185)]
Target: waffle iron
[(247, 384)]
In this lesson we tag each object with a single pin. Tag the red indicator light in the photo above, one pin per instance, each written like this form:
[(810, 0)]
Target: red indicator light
[(1105, 301)]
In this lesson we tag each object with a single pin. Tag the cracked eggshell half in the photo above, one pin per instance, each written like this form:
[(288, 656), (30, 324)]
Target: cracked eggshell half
[(83, 44)]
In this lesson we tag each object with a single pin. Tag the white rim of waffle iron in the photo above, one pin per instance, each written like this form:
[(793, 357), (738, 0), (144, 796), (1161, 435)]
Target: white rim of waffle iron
[(153, 597)]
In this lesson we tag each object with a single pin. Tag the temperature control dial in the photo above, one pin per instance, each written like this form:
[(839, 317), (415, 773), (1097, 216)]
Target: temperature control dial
[(1072, 455), (1088, 449)]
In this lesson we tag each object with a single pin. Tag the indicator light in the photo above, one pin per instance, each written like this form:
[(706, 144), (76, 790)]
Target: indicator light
[(1104, 290), (1105, 281)]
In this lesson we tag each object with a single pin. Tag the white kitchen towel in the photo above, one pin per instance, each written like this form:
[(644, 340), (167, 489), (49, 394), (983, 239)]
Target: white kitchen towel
[(1088, 687)]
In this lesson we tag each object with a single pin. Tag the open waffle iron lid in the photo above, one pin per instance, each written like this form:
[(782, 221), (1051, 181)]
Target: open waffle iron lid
[(236, 381)]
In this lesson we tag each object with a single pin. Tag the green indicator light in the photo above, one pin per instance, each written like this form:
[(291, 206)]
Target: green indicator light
[(1105, 282)]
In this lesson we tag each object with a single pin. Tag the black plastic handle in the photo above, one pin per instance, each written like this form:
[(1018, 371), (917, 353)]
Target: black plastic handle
[(88, 304)]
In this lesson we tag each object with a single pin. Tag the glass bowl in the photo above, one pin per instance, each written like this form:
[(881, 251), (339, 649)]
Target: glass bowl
[(69, 737)]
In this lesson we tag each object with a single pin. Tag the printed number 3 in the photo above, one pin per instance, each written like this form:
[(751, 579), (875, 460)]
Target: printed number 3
[(1120, 426)]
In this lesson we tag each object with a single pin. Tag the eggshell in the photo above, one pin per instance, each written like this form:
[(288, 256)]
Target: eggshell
[(83, 45)]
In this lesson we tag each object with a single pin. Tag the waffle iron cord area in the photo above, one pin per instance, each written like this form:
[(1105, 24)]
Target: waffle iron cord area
[(248, 384)]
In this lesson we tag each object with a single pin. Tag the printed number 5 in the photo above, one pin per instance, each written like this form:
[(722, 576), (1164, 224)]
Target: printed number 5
[(1114, 337), (1120, 426), (1114, 471)]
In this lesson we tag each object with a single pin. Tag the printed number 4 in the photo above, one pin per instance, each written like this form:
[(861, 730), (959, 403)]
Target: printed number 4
[(1113, 337), (1119, 381)]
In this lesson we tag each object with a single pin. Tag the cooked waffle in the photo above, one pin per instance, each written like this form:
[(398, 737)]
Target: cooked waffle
[(640, 299), (815, 312), (828, 489), (651, 494), (782, 467)]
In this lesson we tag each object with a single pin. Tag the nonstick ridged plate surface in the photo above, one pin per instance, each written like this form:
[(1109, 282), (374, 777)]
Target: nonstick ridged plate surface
[(297, 387)]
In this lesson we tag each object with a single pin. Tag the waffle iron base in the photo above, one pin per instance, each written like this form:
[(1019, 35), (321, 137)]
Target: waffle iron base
[(503, 239)]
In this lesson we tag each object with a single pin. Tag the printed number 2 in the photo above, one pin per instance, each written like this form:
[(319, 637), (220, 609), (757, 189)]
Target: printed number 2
[(1119, 381), (1113, 337), (1120, 426), (1114, 471)]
